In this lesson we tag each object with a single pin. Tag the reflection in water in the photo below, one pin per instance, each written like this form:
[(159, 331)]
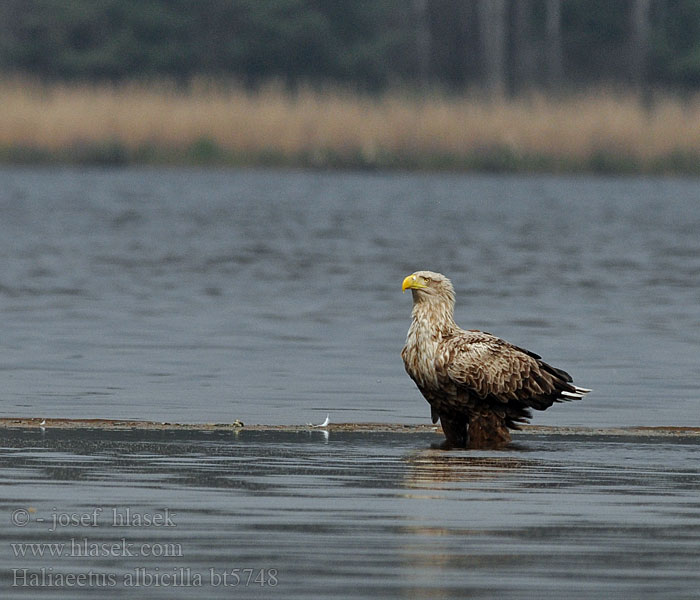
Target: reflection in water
[(440, 476), (575, 512), (432, 469), (366, 514)]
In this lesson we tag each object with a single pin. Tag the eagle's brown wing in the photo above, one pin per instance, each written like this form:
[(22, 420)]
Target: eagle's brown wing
[(499, 373)]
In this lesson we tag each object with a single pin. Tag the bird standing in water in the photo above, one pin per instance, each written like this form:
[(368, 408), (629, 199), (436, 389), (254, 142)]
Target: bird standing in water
[(478, 385)]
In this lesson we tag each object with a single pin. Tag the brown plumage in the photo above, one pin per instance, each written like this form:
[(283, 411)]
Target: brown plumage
[(478, 385)]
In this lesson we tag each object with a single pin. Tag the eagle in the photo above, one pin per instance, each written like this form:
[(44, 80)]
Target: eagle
[(478, 385)]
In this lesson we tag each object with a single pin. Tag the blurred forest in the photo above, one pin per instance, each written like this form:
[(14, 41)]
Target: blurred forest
[(500, 45), (609, 86)]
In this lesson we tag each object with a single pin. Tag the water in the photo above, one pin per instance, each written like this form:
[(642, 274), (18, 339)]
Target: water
[(274, 297), (358, 515)]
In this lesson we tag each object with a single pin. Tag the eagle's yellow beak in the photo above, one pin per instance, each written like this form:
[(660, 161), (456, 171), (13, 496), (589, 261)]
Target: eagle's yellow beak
[(413, 282)]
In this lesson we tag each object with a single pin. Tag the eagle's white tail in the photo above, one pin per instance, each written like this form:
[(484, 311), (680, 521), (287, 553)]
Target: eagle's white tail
[(577, 394)]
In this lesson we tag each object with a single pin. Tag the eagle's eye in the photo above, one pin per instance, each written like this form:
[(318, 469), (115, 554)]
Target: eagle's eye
[(427, 279)]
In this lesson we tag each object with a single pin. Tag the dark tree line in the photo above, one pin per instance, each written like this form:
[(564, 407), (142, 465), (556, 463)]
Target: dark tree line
[(500, 45)]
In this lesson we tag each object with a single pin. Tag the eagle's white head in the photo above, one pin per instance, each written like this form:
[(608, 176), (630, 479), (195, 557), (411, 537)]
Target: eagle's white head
[(428, 286)]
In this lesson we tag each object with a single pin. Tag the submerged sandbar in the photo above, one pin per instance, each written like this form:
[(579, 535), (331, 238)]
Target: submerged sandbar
[(236, 425)]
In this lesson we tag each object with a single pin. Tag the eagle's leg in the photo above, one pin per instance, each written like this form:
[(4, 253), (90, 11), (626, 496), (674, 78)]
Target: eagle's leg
[(455, 429), (487, 431)]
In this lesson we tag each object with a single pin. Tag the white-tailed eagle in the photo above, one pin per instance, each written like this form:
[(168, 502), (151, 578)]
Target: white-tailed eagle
[(477, 384)]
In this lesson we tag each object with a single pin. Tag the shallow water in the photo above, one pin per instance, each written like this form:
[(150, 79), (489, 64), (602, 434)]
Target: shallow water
[(354, 515), (273, 297)]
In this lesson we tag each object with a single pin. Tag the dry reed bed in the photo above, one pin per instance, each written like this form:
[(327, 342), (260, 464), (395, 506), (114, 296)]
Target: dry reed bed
[(229, 124)]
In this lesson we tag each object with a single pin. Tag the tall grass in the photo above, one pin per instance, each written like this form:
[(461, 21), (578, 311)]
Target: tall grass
[(216, 123)]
